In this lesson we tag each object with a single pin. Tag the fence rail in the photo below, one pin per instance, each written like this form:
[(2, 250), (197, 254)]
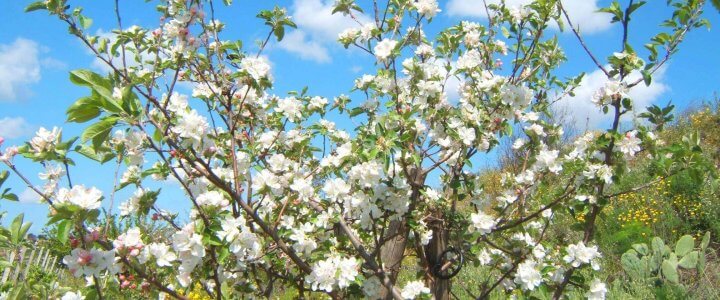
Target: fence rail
[(21, 260)]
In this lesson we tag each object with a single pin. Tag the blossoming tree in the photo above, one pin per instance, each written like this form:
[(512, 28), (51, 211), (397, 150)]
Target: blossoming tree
[(281, 198)]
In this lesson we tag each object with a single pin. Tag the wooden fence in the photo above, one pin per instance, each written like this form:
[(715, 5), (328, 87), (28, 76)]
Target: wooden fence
[(22, 259)]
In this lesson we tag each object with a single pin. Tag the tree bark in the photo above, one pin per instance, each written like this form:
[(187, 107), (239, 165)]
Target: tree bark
[(440, 288), (393, 251)]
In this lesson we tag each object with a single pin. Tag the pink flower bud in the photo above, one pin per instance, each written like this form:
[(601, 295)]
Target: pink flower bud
[(84, 258)]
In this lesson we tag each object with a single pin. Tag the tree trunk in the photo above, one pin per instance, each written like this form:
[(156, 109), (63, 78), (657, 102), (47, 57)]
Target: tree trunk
[(392, 252), (440, 288)]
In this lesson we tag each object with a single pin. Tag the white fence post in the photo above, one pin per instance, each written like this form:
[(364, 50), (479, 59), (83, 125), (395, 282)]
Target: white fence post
[(8, 269), (28, 264)]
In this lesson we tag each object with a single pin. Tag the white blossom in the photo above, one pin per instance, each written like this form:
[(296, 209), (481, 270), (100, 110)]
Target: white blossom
[(527, 275), (469, 60), (81, 262), (85, 198), (597, 290), (427, 8), (73, 296), (482, 223), (333, 272), (336, 187), (212, 198), (191, 125), (291, 108), (413, 289), (45, 140), (629, 144), (579, 254), (547, 159), (258, 68), (384, 49)]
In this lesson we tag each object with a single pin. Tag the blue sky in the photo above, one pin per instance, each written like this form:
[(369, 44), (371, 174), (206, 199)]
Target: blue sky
[(36, 54)]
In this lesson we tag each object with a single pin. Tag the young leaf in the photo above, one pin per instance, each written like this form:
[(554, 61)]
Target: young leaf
[(36, 6)]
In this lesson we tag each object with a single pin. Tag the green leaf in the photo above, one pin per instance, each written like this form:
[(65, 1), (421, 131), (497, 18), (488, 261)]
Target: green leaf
[(18, 229), (657, 244), (84, 21), (690, 260), (227, 2), (83, 110), (669, 271), (64, 230), (99, 132), (684, 245), (101, 154), (641, 248), (706, 239), (100, 85), (647, 77), (36, 6), (632, 264), (10, 197), (3, 176)]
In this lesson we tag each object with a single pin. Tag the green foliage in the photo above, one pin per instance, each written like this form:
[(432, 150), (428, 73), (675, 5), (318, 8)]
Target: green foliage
[(277, 19), (15, 234), (658, 263), (6, 194)]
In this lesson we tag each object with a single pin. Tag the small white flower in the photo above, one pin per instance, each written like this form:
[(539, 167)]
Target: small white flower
[(73, 296), (213, 199), (86, 198), (414, 289), (547, 159), (45, 140), (579, 254), (527, 275), (336, 187), (333, 272), (469, 60), (291, 108), (427, 8), (384, 49), (612, 88), (629, 144), (482, 223), (258, 67), (597, 290), (191, 125), (467, 135), (163, 256)]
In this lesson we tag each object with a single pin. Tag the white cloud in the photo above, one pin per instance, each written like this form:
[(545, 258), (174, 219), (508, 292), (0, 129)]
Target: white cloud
[(51, 63), (19, 67), (583, 13), (317, 30), (297, 42), (29, 196), (12, 128), (582, 110), (316, 17)]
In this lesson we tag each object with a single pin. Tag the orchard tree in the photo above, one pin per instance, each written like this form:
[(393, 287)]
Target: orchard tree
[(282, 199)]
